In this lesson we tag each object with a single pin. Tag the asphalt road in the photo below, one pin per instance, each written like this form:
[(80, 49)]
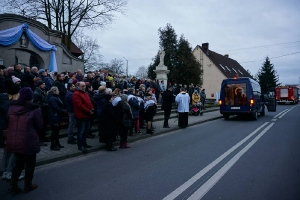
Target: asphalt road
[(222, 159)]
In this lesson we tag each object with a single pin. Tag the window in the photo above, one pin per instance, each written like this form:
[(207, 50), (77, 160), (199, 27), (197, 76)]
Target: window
[(240, 71), (235, 94)]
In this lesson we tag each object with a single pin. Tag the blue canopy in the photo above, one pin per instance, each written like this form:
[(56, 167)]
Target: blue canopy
[(11, 36)]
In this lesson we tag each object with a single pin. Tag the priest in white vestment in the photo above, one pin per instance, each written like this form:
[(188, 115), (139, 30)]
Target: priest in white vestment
[(182, 100)]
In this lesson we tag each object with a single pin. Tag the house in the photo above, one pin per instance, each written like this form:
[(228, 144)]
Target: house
[(216, 67)]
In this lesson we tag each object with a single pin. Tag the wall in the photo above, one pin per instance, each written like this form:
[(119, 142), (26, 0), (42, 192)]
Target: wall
[(212, 76)]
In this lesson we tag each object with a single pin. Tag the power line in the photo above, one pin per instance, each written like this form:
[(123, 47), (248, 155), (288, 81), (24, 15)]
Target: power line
[(273, 57), (255, 47)]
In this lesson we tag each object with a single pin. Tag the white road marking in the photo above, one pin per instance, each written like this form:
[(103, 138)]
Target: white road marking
[(274, 120), (192, 180), (284, 113), (279, 113), (217, 176)]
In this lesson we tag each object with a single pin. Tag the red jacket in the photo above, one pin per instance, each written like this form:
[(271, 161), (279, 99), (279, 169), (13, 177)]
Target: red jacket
[(82, 105)]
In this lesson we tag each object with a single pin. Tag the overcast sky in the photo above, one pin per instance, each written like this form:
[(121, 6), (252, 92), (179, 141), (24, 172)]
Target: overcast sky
[(226, 25)]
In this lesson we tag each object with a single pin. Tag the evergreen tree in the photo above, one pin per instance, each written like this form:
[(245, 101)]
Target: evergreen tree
[(179, 59), (187, 70), (167, 41), (152, 66), (267, 76)]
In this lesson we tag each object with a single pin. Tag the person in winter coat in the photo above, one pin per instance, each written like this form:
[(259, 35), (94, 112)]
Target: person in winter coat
[(70, 109), (89, 91), (126, 120), (100, 100), (8, 92), (83, 110), (150, 110), (202, 98), (167, 100), (24, 122), (108, 123), (60, 84), (96, 83), (135, 107), (40, 97), (55, 117)]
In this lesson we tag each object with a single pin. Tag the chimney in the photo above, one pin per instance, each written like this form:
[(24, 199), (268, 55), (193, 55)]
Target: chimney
[(226, 55), (205, 47)]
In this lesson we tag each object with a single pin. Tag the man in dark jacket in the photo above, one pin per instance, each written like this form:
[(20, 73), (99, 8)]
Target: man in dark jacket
[(40, 97), (83, 110), (168, 99), (70, 109), (135, 107), (24, 122)]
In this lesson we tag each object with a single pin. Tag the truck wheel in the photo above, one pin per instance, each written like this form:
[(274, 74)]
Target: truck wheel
[(254, 115), (226, 116)]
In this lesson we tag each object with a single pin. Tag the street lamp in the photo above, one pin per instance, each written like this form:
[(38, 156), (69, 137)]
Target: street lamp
[(126, 67)]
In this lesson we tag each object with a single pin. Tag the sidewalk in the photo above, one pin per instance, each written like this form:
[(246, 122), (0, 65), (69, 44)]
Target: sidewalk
[(47, 156)]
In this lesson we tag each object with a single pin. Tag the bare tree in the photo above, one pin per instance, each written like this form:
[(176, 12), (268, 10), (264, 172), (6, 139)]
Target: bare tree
[(116, 66), (90, 48), (68, 15), (142, 72)]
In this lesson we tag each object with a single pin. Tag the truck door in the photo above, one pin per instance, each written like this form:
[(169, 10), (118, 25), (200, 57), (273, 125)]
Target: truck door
[(270, 100)]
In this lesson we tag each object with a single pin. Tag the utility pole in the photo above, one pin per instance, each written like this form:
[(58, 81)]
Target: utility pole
[(126, 67)]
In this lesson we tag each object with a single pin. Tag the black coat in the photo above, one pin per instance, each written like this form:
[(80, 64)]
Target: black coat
[(56, 111), (108, 122), (40, 97), (168, 99), (4, 105)]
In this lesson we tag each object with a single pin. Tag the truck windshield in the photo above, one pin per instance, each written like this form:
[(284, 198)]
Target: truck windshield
[(235, 94)]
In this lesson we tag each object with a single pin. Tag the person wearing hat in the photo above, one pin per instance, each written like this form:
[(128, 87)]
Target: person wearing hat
[(16, 80), (202, 98), (40, 97), (8, 92), (24, 121), (43, 76)]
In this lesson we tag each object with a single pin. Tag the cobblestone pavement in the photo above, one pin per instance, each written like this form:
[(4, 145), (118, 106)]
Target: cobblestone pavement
[(70, 150)]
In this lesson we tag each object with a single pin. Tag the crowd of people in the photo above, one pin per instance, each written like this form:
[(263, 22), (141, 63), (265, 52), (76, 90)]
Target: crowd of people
[(32, 99)]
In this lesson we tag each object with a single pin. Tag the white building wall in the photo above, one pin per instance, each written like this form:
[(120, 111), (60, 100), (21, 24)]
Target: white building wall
[(212, 76)]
